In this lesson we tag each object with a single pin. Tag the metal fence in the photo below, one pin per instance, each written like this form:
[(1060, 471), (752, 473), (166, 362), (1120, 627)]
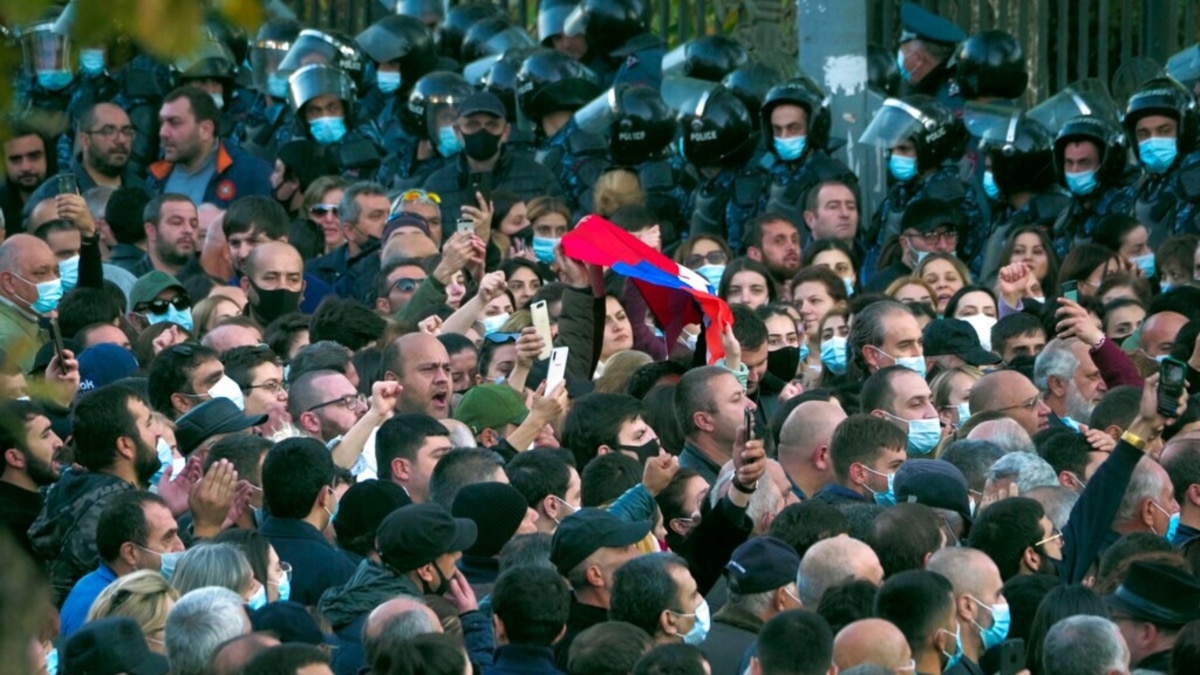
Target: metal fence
[(1064, 40)]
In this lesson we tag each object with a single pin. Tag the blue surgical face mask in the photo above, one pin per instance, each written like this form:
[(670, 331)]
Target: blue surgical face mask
[(1172, 526), (543, 248), (54, 79), (1158, 154), (68, 271), (833, 354), (998, 631), (954, 659), (964, 412), (258, 600), (49, 293), (1164, 286), (923, 435), (285, 588), (700, 627), (179, 317), (913, 363), (791, 148), (277, 85), (902, 168), (165, 458), (448, 142), (327, 130), (989, 185), (712, 274), (887, 498), (1146, 264), (218, 100), (849, 286), (167, 564), (388, 82), (804, 351), (91, 61), (492, 324), (1081, 183), (900, 65), (52, 662)]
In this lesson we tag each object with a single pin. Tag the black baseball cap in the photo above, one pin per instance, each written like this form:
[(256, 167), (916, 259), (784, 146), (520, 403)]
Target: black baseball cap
[(955, 337), (218, 416), (415, 535), (482, 102), (291, 623), (935, 483), (112, 645), (762, 564), (586, 531), (928, 214)]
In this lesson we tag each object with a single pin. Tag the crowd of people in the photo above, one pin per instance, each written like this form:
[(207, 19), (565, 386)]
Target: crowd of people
[(277, 396)]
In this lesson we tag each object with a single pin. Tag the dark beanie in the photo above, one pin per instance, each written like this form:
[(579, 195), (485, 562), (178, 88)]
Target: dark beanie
[(497, 509), (362, 509)]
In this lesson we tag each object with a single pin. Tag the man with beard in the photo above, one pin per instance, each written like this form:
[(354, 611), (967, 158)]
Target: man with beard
[(273, 281), (324, 404), (115, 441), (171, 223), (30, 447), (1069, 380), (26, 165), (196, 163), (774, 241)]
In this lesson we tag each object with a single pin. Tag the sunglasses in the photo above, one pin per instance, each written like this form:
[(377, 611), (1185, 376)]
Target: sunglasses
[(415, 195), (711, 258), (322, 210), (160, 307)]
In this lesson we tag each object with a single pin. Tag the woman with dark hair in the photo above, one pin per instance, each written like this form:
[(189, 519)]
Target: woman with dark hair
[(1032, 246), (510, 229), (707, 255), (524, 279), (274, 574), (977, 306), (747, 282), (1087, 265), (1129, 238), (815, 292), (838, 256), (1059, 603)]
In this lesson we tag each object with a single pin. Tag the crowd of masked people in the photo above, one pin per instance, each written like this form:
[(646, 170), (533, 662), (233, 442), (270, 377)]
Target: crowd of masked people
[(276, 395)]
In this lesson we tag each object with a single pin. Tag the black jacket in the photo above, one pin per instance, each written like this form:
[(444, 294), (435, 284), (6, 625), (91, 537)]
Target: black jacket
[(514, 173), (316, 565), (581, 618), (733, 630)]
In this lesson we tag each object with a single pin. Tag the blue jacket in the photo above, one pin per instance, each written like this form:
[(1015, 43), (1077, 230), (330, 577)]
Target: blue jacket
[(79, 600), (238, 174), (523, 660), (316, 565)]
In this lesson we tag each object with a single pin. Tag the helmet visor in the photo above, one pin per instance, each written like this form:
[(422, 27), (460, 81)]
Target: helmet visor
[(45, 51), (674, 64), (552, 21), (312, 81), (265, 58), (475, 71), (308, 49), (894, 122), (1185, 66), (509, 38), (598, 116), (683, 94), (1086, 97), (991, 123)]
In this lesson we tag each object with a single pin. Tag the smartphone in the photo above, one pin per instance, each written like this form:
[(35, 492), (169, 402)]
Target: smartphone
[(1006, 658), (541, 321), (1070, 290), (751, 433), (558, 368), (481, 183), (466, 225), (56, 336), (1172, 377), (67, 185)]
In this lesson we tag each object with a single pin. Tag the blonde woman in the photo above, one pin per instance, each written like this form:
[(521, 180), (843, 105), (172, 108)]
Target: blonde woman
[(617, 188), (144, 596)]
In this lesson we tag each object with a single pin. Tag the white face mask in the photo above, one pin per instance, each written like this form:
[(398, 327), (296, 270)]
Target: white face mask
[(227, 388)]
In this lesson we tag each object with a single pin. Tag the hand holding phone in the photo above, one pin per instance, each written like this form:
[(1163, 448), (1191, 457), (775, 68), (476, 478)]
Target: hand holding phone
[(466, 225), (557, 370), (541, 322), (1172, 379), (1070, 290)]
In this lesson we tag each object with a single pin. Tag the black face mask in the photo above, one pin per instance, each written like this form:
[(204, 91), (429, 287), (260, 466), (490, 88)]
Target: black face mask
[(481, 145), (443, 586), (783, 362), (645, 451), (272, 304)]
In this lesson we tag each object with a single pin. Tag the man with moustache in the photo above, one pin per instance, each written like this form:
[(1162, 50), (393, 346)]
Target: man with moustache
[(30, 447), (26, 165)]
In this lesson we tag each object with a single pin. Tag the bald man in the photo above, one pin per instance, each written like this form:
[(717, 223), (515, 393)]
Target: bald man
[(226, 336), (400, 618), (873, 641), (232, 656), (804, 445), (29, 287), (1004, 432), (1012, 394), (421, 364), (834, 561), (273, 281), (979, 602), (1158, 333)]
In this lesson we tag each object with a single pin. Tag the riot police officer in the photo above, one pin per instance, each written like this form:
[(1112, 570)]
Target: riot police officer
[(48, 78), (796, 117), (551, 18), (924, 142), (326, 47), (640, 126), (494, 36), (927, 43), (428, 118), (990, 65), (402, 52), (620, 46), (709, 57), (270, 114), (498, 75), (93, 83), (1019, 178), (430, 13), (323, 99), (458, 21), (719, 137), (551, 86), (1090, 162), (1161, 118)]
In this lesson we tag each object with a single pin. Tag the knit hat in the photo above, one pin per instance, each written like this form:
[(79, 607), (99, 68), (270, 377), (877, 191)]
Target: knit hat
[(103, 364), (362, 509), (401, 220), (497, 510)]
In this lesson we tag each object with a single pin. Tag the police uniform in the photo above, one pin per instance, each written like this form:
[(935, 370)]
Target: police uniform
[(791, 182), (1042, 210), (724, 203), (919, 23), (946, 184), (578, 159)]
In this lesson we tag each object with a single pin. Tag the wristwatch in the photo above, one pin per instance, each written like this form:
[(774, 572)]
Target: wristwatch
[(744, 489)]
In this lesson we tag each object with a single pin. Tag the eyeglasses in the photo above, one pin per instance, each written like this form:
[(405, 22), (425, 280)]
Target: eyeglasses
[(406, 285), (109, 131), (1052, 537), (711, 258), (1028, 405), (322, 210), (932, 238), (160, 307), (418, 195), (285, 570), (273, 387), (351, 401)]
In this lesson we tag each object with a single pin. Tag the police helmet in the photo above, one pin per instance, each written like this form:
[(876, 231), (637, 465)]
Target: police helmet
[(327, 47), (991, 64), (211, 59), (1022, 155), (710, 57), (1108, 138), (429, 12), (1164, 96), (751, 81), (271, 45), (316, 80), (717, 131), (498, 75), (460, 20), (401, 38), (634, 117), (494, 36), (44, 49), (550, 82), (608, 24), (552, 16), (803, 92), (929, 123), (431, 93)]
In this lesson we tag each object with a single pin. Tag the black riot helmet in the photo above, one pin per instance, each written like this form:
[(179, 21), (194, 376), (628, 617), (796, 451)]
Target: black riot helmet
[(709, 57), (429, 96), (991, 64), (552, 16), (938, 135), (270, 46), (551, 82), (401, 38), (1108, 138), (227, 33), (608, 24), (327, 47), (1022, 155), (717, 131), (429, 12), (460, 20), (494, 36), (639, 125), (750, 82), (883, 75), (211, 59), (803, 92), (498, 75), (1164, 96)]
